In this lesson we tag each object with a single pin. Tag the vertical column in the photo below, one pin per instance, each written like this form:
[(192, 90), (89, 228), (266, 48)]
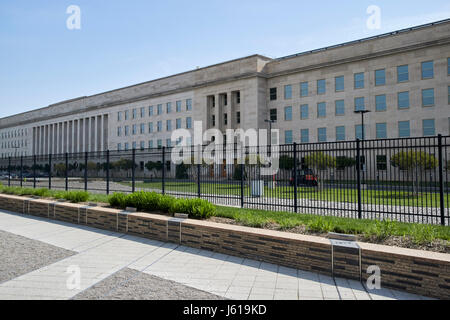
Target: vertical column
[(42, 140), (105, 132), (92, 133), (55, 138), (81, 135), (50, 135), (86, 135), (99, 133), (60, 138), (38, 136), (70, 137), (75, 136), (47, 140), (34, 141)]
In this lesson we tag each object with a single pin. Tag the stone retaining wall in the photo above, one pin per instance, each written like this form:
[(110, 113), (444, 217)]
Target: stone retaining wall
[(419, 272)]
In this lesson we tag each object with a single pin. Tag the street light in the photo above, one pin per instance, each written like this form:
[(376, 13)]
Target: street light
[(362, 112), (270, 122)]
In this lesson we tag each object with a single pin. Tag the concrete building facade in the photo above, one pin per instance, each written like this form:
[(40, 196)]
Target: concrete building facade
[(403, 78)]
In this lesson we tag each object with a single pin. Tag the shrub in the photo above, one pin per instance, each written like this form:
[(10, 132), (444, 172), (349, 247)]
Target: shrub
[(320, 224), (423, 234), (118, 200), (384, 229), (76, 196), (166, 203)]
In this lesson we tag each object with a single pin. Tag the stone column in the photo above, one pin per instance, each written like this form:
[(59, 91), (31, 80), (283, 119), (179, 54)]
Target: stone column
[(86, 135), (105, 132)]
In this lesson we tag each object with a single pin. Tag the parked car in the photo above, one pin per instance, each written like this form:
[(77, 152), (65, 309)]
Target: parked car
[(305, 177)]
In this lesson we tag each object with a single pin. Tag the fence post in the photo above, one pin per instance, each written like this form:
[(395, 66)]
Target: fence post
[(34, 171), (133, 171), (295, 179), (67, 171), (163, 170), (21, 171), (107, 172), (242, 165), (9, 172), (441, 180), (199, 188), (50, 171), (358, 175), (85, 171)]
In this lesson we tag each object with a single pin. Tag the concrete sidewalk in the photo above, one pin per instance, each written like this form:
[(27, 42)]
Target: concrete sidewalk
[(99, 255)]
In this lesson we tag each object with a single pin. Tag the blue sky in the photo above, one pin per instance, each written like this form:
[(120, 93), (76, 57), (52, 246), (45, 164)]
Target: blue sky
[(127, 42)]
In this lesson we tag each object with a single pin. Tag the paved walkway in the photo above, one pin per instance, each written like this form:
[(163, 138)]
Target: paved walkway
[(101, 254)]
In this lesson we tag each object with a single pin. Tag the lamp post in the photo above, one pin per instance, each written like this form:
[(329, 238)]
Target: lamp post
[(362, 112)]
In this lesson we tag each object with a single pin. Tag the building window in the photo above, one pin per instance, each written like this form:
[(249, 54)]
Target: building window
[(168, 143), (159, 126), (428, 97), (403, 100), (359, 104), (119, 147), (142, 112), (359, 134), (304, 112), (188, 123), (321, 110), (119, 131), (340, 107), (288, 113), (322, 134), (339, 83), (142, 128), (304, 89), (134, 129), (225, 119), (178, 123), (134, 144), (159, 143), (150, 111), (273, 94), (189, 104), (127, 114), (427, 70), (127, 131), (428, 127), (169, 125), (340, 133), (134, 113), (150, 144), (127, 146), (304, 135), (150, 127), (142, 145), (159, 109), (448, 89), (168, 107), (404, 130), (403, 73), (380, 77), (381, 131), (321, 86), (288, 137), (238, 117), (238, 97), (381, 162), (273, 114), (380, 103), (288, 92), (359, 80), (178, 106), (213, 120), (119, 116)]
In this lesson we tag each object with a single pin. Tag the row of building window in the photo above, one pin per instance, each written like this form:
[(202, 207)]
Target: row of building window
[(151, 110), (142, 145), (143, 128), (403, 102), (427, 71), (404, 131), (14, 133), (14, 144)]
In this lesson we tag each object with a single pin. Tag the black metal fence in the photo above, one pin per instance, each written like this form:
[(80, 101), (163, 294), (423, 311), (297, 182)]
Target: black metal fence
[(399, 179)]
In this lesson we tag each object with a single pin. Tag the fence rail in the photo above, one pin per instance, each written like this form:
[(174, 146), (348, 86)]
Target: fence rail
[(399, 179)]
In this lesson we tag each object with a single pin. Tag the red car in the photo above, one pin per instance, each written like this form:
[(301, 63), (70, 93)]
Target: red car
[(305, 177)]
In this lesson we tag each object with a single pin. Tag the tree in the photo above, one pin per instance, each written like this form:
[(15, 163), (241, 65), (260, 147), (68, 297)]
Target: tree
[(344, 162), (286, 162), (320, 161), (154, 166), (414, 163), (60, 169), (181, 171)]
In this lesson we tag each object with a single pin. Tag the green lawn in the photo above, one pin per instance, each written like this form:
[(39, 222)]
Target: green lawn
[(419, 233), (382, 197)]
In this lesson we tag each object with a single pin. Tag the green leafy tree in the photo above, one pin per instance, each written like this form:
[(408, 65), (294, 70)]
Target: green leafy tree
[(414, 163), (60, 169), (320, 161), (286, 162), (154, 166)]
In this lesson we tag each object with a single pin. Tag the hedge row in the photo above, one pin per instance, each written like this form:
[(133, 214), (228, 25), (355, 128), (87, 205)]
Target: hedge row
[(152, 201), (73, 196)]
